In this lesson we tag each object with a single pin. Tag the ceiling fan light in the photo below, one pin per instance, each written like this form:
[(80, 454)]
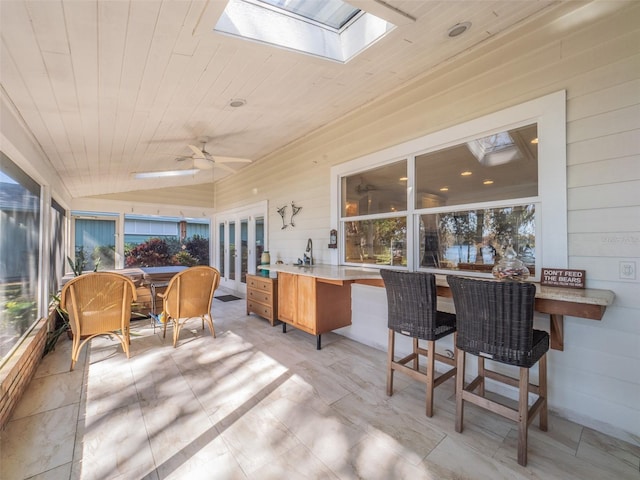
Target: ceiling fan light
[(165, 173)]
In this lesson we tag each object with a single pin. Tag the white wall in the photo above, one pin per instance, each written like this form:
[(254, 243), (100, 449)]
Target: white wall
[(596, 59)]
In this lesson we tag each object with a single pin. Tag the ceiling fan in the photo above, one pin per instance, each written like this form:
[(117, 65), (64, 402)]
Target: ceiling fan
[(201, 160)]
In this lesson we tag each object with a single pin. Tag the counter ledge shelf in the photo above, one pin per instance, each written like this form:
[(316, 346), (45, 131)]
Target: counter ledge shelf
[(303, 297)]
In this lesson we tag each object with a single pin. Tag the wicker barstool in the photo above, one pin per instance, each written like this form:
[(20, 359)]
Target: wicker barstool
[(495, 321), (411, 298)]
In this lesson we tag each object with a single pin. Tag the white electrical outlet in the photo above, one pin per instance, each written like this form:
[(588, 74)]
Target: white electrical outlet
[(627, 270)]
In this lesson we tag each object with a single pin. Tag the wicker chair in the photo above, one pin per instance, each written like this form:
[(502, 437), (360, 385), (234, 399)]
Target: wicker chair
[(98, 303), (411, 299), (495, 321), (189, 295)]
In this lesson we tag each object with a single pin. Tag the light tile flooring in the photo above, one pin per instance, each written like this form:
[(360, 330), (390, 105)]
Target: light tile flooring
[(255, 403)]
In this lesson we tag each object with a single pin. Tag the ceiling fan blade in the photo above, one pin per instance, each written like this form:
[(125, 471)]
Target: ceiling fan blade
[(231, 159), (196, 151), (202, 163)]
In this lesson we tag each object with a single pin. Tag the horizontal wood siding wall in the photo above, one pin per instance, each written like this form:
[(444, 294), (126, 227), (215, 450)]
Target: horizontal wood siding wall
[(596, 380)]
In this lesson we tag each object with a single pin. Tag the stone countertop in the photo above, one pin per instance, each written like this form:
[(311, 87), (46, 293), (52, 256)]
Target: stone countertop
[(344, 273), (329, 272)]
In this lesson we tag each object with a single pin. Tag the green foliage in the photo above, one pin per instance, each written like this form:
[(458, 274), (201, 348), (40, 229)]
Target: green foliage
[(184, 258), (390, 229), (61, 325), (77, 267), (20, 311), (174, 245), (153, 253), (198, 248), (104, 255)]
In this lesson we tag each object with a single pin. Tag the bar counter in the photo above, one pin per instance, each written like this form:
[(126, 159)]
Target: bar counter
[(555, 301)]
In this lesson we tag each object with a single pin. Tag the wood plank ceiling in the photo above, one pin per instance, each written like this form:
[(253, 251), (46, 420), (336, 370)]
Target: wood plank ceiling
[(112, 87)]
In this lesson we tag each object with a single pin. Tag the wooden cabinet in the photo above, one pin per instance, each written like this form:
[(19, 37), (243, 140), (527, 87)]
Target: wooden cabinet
[(313, 305), (262, 297)]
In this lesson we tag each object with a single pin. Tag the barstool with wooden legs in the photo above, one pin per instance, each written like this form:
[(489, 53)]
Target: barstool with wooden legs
[(412, 311), (495, 321)]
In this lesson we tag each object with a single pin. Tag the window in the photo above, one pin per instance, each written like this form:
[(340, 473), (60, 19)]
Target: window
[(19, 253), (461, 196), (162, 241), (95, 241), (374, 232), (499, 167)]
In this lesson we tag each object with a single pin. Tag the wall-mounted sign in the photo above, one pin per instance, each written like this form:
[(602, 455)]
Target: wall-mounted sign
[(333, 239), (561, 277)]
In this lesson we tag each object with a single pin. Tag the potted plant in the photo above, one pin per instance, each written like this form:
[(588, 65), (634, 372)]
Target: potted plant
[(61, 324)]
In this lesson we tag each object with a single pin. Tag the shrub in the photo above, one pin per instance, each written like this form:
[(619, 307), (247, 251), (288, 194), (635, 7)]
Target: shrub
[(198, 248), (152, 253), (185, 258)]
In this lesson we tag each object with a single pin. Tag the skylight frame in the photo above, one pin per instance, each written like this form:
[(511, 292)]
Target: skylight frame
[(290, 13), (248, 20)]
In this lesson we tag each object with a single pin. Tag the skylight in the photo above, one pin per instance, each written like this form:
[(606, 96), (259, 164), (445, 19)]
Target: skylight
[(334, 14), (330, 29)]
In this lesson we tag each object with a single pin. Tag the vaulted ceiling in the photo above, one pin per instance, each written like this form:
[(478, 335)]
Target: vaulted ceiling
[(108, 88)]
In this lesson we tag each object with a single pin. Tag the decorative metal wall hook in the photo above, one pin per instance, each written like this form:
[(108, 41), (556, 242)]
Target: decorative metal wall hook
[(282, 211), (294, 211)]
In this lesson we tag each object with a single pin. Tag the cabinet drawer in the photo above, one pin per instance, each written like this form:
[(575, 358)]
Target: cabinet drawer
[(260, 309), (259, 296), (263, 284)]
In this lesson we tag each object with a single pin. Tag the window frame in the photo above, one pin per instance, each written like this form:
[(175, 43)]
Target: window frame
[(549, 112)]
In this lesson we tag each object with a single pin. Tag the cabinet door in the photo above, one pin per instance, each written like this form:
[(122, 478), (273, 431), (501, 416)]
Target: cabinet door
[(287, 297), (306, 315)]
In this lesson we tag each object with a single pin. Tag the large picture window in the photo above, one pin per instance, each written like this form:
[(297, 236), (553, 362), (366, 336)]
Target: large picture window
[(461, 196), (19, 253)]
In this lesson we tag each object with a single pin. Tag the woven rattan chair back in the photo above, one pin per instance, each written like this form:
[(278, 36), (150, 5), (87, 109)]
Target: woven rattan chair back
[(412, 305), (98, 303), (412, 311), (495, 321), (190, 295)]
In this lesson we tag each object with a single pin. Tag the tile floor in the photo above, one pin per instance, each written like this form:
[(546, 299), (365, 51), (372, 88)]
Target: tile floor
[(255, 403)]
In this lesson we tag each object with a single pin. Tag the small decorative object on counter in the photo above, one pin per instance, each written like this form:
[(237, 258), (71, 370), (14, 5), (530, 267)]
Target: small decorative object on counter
[(510, 267), (265, 258)]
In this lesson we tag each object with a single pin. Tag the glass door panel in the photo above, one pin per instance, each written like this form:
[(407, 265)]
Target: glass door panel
[(259, 240), (232, 250), (221, 248), (244, 254)]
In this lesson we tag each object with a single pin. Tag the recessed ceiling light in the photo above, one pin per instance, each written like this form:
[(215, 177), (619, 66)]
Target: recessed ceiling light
[(535, 141), (458, 29), (404, 179), (466, 174), (237, 102), (444, 189), (488, 182)]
